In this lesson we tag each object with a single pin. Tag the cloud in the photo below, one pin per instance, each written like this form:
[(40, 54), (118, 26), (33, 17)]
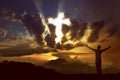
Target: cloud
[(96, 28), (34, 25), (3, 33), (20, 48)]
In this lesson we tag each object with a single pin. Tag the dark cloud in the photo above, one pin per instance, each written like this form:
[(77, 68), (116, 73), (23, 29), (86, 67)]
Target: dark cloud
[(96, 28), (34, 25), (50, 41), (89, 11), (95, 10), (77, 29), (52, 30), (74, 28), (23, 49), (10, 25), (59, 46), (81, 31), (65, 29), (113, 30)]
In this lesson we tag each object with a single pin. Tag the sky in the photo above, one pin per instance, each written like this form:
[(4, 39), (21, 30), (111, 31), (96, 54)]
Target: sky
[(86, 10), (75, 8)]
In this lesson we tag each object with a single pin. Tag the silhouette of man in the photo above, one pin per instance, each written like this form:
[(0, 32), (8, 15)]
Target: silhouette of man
[(98, 53)]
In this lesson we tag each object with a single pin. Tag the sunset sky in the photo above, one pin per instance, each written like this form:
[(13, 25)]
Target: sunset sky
[(19, 43)]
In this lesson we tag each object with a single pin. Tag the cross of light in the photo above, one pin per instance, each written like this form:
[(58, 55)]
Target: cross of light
[(58, 24)]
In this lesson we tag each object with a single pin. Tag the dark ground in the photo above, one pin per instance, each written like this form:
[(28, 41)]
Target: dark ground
[(25, 71)]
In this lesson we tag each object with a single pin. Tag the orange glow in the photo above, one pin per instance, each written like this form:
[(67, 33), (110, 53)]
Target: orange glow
[(44, 57), (72, 56), (81, 49)]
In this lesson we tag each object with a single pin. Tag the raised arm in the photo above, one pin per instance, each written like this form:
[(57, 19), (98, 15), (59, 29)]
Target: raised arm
[(90, 48), (106, 48)]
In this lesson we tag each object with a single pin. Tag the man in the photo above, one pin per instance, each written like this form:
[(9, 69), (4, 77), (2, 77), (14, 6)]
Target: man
[(98, 53)]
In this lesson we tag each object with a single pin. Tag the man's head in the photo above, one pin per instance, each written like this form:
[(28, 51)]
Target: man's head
[(98, 47)]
